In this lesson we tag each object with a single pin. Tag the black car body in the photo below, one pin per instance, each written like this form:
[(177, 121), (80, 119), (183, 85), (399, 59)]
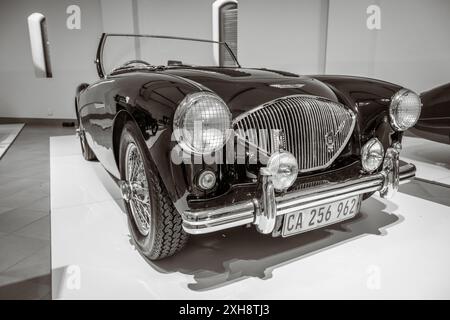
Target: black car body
[(328, 145), (434, 121)]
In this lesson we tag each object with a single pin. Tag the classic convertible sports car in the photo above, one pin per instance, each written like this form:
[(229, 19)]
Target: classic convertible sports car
[(200, 144)]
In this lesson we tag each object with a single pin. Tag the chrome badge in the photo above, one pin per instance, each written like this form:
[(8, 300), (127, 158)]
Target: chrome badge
[(329, 141), (279, 139), (330, 137), (287, 85)]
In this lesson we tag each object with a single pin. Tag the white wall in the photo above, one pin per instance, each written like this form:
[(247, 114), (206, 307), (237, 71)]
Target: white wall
[(72, 53), (412, 48), (287, 35), (117, 16), (192, 19), (302, 36), (350, 45), (176, 18)]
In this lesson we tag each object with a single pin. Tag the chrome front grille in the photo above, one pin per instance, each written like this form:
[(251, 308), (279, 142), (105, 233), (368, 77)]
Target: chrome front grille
[(315, 130)]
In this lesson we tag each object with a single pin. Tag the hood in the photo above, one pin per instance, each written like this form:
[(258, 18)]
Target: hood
[(244, 89)]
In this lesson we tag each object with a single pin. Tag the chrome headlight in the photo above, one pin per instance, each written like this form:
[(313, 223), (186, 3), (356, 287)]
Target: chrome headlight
[(372, 155), (202, 123), (404, 110)]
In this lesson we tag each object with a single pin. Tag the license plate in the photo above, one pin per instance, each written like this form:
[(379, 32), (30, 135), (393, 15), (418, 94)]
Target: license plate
[(320, 216)]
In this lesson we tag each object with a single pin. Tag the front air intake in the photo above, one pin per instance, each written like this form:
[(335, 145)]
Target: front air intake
[(316, 130)]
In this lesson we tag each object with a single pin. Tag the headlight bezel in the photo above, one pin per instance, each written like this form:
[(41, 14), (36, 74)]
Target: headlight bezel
[(396, 100), (179, 120)]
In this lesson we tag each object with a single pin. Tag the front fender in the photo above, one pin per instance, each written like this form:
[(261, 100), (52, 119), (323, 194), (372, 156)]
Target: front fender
[(370, 99), (152, 108)]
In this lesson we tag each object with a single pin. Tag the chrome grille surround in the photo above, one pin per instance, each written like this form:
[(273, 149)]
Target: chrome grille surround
[(306, 122)]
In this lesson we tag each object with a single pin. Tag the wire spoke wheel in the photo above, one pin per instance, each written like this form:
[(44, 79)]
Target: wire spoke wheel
[(155, 225), (136, 179)]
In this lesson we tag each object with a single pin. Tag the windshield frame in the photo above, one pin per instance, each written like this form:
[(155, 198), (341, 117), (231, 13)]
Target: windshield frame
[(99, 57)]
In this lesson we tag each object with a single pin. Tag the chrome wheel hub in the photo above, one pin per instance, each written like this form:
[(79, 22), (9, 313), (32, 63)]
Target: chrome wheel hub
[(134, 189), (125, 190)]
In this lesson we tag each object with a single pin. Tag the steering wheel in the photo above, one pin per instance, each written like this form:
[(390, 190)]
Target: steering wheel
[(136, 61)]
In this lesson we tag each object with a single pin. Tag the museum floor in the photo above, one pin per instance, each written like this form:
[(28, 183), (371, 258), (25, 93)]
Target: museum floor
[(376, 255), (25, 214)]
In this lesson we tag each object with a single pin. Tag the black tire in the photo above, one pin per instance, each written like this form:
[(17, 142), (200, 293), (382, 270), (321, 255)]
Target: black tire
[(166, 235), (86, 150)]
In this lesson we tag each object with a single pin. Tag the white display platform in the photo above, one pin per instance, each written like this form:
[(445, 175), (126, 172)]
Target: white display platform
[(8, 132), (394, 249), (432, 159)]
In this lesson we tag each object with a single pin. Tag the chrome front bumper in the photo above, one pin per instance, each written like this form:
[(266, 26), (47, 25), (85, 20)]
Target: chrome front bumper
[(263, 212)]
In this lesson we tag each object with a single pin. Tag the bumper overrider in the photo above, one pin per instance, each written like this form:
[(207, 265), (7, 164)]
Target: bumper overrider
[(263, 212)]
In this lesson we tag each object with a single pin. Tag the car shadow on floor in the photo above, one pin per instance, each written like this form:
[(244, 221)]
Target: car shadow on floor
[(219, 259)]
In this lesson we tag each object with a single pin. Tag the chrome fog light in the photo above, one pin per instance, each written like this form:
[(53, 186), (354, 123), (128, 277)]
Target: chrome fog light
[(282, 168), (206, 180), (372, 155)]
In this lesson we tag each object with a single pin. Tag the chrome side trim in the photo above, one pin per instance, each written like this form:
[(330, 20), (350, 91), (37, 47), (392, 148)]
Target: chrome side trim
[(242, 213)]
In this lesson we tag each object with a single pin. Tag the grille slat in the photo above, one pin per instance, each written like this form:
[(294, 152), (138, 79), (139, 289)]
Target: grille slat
[(295, 128), (306, 122), (330, 123)]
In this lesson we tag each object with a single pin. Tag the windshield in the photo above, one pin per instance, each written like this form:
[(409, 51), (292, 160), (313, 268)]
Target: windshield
[(119, 52)]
